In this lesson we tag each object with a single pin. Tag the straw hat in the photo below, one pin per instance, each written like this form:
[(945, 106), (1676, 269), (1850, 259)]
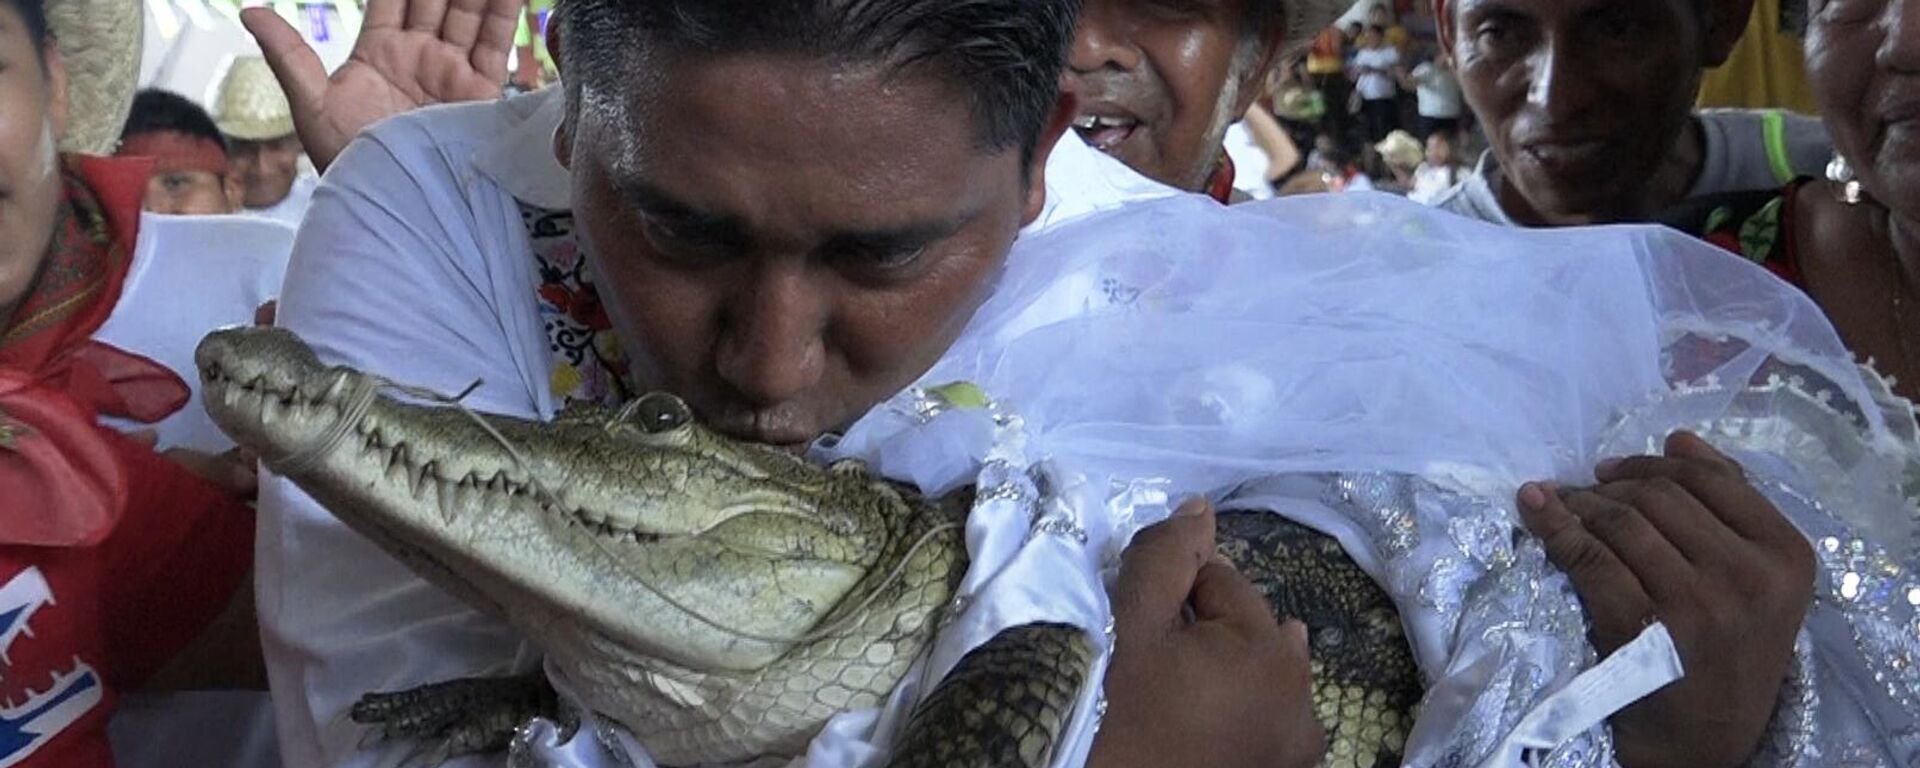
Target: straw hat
[(251, 106), (1402, 149), (100, 41)]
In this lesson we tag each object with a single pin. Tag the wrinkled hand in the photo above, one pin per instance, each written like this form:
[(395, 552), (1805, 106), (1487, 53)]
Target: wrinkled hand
[(1686, 539), (1226, 685), (234, 471), (410, 54)]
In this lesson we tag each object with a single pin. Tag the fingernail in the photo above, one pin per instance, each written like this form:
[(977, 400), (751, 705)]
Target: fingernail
[(1220, 559), (1606, 466), (1193, 507), (1533, 497)]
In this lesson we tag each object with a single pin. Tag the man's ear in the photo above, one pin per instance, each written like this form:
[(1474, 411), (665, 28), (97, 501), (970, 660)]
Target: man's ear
[(1058, 121), (236, 193), (563, 135), (1725, 23), (563, 142), (59, 106), (553, 44), (1443, 24)]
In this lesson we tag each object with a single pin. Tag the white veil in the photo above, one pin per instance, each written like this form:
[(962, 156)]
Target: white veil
[(1424, 366)]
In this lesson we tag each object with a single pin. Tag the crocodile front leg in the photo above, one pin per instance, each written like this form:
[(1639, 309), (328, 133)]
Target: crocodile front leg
[(1005, 705), (461, 717)]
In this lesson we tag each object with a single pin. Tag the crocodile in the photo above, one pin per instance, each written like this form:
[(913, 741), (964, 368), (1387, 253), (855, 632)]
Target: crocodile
[(721, 600)]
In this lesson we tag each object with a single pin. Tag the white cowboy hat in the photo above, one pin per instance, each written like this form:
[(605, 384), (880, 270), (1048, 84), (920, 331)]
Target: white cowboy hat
[(1402, 149), (251, 106), (100, 41)]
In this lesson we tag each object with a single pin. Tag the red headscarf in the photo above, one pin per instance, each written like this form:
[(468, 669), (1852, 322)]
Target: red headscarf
[(176, 151), (59, 476)]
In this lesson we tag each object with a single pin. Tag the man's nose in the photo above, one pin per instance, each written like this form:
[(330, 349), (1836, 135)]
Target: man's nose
[(1558, 84), (772, 343), (1104, 39)]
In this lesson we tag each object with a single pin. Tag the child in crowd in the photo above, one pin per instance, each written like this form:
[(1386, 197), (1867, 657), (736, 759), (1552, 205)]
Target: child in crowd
[(1440, 172)]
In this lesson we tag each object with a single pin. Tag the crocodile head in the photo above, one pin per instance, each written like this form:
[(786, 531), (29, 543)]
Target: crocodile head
[(636, 527)]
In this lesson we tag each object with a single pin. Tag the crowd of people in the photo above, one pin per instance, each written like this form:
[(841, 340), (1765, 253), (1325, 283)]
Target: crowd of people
[(787, 214)]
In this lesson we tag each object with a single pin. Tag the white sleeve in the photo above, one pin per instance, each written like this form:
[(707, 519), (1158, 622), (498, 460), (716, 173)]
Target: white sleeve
[(389, 274)]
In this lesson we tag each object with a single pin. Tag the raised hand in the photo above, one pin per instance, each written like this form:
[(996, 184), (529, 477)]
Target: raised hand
[(1202, 673), (1685, 539), (410, 54)]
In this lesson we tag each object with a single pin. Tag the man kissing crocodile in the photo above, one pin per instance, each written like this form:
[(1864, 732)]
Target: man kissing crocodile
[(784, 214)]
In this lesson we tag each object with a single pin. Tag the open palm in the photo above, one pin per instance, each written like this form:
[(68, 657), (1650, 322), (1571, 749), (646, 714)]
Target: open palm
[(410, 53)]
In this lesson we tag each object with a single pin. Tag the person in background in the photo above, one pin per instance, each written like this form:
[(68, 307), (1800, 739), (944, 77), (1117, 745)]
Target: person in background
[(127, 536), (190, 164), (1588, 108), (1377, 73), (1382, 16), (1852, 238), (258, 122), (1159, 91), (1400, 156), (1326, 74), (1439, 172), (1440, 102)]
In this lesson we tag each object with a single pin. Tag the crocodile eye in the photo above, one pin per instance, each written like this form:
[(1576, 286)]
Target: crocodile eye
[(658, 412)]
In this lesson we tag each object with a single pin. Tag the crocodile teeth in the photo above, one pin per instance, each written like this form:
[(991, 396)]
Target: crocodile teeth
[(421, 478), (443, 492), (467, 494), (623, 519), (592, 517), (398, 465)]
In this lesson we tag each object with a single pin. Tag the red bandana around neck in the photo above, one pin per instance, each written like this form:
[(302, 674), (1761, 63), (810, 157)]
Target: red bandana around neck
[(1220, 185), (60, 476)]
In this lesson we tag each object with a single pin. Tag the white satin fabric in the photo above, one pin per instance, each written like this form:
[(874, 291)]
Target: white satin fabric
[(1390, 375)]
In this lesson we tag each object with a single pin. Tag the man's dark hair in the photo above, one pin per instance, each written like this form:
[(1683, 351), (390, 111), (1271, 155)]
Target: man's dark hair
[(34, 14), (1006, 55), (158, 111)]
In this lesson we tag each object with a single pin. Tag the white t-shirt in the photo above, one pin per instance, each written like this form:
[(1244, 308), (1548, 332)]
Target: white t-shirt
[(1438, 92), (1374, 86), (1430, 182), (1250, 162), (414, 264)]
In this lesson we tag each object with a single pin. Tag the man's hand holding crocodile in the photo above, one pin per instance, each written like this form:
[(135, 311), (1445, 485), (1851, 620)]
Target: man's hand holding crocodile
[(1685, 539), (1226, 685)]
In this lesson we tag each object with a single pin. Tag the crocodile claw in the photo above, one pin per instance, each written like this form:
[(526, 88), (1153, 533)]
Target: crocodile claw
[(456, 718)]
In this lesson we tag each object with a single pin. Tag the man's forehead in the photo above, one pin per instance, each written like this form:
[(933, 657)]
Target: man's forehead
[(1567, 7), (860, 147)]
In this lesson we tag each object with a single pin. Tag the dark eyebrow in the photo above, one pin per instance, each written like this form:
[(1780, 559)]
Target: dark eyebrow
[(902, 239), (656, 202), (1486, 8), (727, 227)]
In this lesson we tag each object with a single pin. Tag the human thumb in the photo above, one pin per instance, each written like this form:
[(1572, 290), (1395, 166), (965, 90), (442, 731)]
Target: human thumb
[(301, 74)]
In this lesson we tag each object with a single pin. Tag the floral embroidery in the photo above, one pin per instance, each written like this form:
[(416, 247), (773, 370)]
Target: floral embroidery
[(587, 364)]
